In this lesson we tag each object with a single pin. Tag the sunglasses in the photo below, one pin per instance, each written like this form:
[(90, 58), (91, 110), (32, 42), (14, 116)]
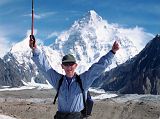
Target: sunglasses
[(68, 64)]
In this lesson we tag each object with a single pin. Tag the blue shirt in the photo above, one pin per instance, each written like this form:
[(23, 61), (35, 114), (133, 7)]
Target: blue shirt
[(69, 80), (70, 98)]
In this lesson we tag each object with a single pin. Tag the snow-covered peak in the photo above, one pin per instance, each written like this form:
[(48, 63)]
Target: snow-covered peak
[(21, 51), (22, 46), (91, 37), (92, 13), (91, 17)]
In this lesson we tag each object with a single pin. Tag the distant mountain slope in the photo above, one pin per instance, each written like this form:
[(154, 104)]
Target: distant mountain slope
[(139, 75), (10, 73)]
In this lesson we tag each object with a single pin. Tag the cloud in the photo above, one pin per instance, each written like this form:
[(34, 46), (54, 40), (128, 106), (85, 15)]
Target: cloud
[(4, 45), (53, 34), (137, 36), (42, 15), (3, 2)]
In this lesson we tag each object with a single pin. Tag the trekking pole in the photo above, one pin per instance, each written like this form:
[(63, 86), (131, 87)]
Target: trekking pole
[(32, 38), (32, 26)]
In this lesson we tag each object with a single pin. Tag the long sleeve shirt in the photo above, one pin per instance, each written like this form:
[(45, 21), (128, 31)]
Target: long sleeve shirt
[(70, 97)]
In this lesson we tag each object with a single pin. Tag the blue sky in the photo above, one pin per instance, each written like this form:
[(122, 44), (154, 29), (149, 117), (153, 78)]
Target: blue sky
[(55, 16)]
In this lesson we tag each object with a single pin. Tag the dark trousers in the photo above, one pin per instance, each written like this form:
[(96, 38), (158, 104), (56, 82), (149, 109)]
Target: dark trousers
[(71, 115)]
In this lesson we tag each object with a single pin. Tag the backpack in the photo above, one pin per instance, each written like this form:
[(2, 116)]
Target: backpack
[(88, 104)]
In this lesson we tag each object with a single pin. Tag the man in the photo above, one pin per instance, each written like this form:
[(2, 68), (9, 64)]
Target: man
[(70, 97)]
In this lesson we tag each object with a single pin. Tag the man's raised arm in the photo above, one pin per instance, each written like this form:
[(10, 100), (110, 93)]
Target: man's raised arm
[(42, 62)]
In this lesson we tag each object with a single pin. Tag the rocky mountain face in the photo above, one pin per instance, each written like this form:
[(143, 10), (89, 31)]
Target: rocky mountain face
[(140, 75), (14, 74), (10, 73)]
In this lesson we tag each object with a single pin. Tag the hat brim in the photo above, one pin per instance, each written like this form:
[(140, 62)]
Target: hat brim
[(68, 61)]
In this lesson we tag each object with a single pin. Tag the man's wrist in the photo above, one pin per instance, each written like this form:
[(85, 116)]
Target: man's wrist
[(113, 52)]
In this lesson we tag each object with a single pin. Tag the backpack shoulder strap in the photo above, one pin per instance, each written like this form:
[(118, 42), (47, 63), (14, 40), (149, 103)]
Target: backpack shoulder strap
[(83, 92), (79, 82), (59, 85)]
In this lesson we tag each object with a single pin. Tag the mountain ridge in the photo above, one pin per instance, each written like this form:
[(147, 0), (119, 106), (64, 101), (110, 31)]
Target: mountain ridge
[(87, 42), (139, 75)]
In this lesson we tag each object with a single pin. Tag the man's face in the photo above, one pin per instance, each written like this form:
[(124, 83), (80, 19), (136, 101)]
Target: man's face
[(69, 69)]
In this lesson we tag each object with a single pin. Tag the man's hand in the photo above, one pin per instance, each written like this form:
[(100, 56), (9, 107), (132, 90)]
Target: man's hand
[(32, 42), (115, 47)]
